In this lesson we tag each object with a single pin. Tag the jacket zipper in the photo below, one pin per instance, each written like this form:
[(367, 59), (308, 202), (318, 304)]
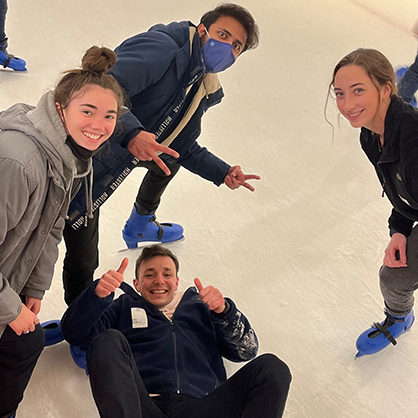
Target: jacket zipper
[(175, 356), (384, 180)]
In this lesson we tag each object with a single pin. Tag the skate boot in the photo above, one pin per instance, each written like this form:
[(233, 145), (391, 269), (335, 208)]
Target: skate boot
[(10, 61), (53, 334), (79, 357), (399, 73), (145, 228), (379, 336)]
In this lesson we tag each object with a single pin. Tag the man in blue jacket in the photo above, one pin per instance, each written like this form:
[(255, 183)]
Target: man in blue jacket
[(170, 77), (159, 354)]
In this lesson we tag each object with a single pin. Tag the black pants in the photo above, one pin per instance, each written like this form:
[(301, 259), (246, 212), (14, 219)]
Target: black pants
[(18, 357), (3, 12), (258, 390), (82, 251), (153, 186), (81, 257)]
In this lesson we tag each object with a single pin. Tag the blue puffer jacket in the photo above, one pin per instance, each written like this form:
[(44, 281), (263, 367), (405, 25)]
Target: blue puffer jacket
[(183, 355), (155, 68)]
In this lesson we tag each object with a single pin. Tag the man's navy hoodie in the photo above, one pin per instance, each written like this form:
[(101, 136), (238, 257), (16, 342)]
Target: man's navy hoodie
[(181, 355)]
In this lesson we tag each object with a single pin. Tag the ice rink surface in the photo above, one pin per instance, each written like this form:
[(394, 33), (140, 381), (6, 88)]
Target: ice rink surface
[(300, 255)]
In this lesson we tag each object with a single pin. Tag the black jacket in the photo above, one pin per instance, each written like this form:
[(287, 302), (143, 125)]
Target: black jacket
[(397, 163)]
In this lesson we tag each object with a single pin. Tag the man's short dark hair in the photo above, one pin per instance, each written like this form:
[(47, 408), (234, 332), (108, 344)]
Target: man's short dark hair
[(155, 251), (240, 14)]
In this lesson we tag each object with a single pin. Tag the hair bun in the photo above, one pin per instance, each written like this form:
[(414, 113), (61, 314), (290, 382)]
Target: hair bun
[(98, 60)]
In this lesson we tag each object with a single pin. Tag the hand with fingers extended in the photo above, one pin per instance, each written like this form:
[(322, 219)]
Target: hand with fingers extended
[(111, 280), (211, 296), (145, 148), (236, 178), (25, 322)]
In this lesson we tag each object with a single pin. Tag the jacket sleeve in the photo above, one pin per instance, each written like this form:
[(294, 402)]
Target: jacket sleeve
[(236, 338), (142, 60), (399, 223), (408, 169), (40, 279), (201, 161), (10, 303), (128, 128), (405, 118), (15, 194), (88, 316)]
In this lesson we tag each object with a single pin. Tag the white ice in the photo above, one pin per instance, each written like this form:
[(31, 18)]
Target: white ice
[(300, 255)]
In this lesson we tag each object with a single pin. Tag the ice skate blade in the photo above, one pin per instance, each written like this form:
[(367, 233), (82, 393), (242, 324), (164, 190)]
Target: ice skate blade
[(143, 244), (11, 70)]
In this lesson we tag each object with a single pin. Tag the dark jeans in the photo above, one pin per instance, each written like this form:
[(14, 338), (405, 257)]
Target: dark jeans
[(399, 284), (408, 84), (3, 12), (258, 390), (82, 255), (18, 357)]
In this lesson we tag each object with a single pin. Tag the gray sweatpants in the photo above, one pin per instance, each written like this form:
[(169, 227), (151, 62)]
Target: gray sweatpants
[(399, 284)]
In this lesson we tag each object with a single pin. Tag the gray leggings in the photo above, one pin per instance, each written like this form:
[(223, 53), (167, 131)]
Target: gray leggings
[(399, 284)]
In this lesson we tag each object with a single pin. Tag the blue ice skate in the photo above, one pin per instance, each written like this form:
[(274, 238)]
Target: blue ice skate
[(379, 336), (399, 73), (53, 334), (145, 228), (79, 357), (10, 61)]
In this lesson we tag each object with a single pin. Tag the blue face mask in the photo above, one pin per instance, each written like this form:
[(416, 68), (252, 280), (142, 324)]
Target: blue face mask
[(218, 56)]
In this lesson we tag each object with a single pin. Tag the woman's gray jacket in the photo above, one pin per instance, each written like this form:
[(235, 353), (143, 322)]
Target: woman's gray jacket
[(36, 175)]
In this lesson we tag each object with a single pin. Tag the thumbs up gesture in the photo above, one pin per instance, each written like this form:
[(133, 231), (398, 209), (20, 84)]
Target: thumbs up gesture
[(111, 280), (211, 296)]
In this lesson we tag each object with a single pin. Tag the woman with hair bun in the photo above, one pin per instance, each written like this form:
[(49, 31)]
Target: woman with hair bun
[(366, 95), (45, 154)]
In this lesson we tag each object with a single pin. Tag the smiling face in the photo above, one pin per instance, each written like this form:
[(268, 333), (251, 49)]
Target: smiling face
[(226, 29), (90, 116), (157, 280), (359, 100)]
